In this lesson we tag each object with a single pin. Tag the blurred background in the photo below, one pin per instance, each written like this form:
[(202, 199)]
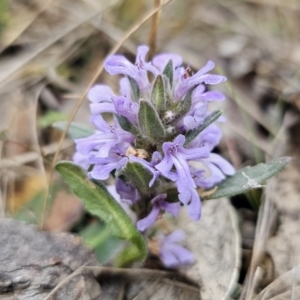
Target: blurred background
[(50, 51)]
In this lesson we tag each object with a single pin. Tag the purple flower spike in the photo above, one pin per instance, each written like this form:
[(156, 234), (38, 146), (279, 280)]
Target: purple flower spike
[(159, 204), (171, 253)]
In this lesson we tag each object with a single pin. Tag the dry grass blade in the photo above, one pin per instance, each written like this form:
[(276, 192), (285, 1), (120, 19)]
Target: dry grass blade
[(265, 216), (134, 28), (153, 30)]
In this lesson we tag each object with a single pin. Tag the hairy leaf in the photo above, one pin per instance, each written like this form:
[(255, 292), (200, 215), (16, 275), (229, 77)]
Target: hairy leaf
[(100, 203), (135, 90), (191, 134), (249, 178), (158, 94), (168, 71), (150, 123)]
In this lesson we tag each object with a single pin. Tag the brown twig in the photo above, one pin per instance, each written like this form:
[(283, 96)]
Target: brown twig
[(134, 28), (153, 30)]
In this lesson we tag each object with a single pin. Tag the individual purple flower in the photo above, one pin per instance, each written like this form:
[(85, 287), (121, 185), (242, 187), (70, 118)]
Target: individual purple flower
[(186, 82), (127, 191), (171, 253), (176, 155), (100, 97), (108, 137), (103, 166), (158, 204), (104, 101), (150, 166), (118, 64)]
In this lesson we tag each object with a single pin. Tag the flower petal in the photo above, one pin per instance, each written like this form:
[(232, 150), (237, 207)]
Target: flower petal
[(222, 164), (100, 93), (145, 223)]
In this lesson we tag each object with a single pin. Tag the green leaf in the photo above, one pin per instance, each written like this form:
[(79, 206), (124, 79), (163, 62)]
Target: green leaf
[(191, 134), (150, 123), (249, 178), (76, 130), (99, 238), (135, 90), (138, 176), (126, 125), (158, 94), (168, 71), (101, 204)]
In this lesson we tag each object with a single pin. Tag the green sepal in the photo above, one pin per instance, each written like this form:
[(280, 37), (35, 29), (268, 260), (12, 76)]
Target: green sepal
[(168, 71), (135, 89), (100, 203), (191, 134), (249, 178), (158, 98), (149, 122), (137, 175), (182, 108), (75, 131), (126, 125)]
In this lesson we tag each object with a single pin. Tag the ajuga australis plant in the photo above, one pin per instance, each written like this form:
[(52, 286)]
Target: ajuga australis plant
[(158, 145)]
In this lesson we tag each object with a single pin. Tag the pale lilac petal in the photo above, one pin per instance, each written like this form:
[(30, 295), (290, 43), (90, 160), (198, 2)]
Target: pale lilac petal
[(180, 139), (168, 259), (172, 208), (126, 108), (213, 96), (104, 107), (184, 256), (212, 79), (125, 89), (190, 122), (81, 160), (100, 123), (145, 223), (118, 64), (176, 236), (100, 93), (222, 164), (198, 92), (102, 172), (127, 191), (195, 153), (208, 67), (194, 208)]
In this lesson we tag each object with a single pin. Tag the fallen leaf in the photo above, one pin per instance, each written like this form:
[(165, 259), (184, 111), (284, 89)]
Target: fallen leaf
[(216, 243)]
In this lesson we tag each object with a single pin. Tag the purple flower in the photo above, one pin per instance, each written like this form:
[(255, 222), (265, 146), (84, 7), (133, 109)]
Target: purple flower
[(104, 101), (184, 83), (118, 64), (176, 155), (127, 191), (108, 137), (158, 204), (103, 166), (171, 253), (100, 96)]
